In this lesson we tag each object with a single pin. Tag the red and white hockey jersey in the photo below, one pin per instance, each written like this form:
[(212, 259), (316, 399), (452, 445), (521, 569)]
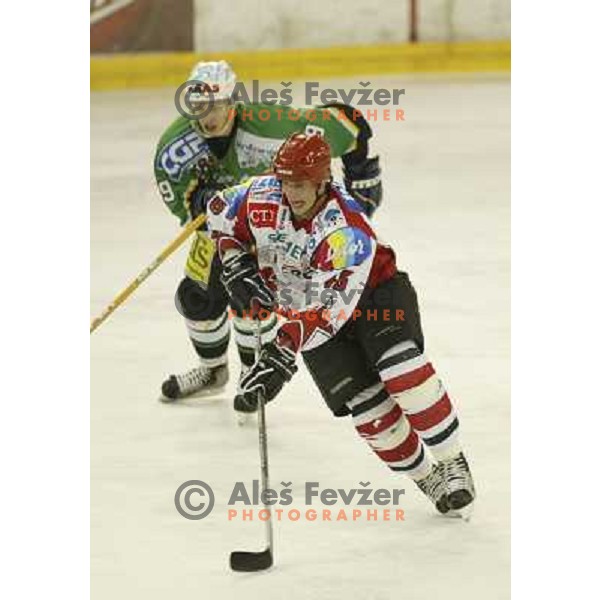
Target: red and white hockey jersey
[(318, 268)]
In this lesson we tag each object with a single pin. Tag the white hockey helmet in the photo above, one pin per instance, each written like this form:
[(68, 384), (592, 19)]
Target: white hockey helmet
[(215, 79)]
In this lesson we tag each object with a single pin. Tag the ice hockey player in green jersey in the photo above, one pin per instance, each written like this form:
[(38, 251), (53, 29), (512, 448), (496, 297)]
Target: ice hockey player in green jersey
[(219, 144)]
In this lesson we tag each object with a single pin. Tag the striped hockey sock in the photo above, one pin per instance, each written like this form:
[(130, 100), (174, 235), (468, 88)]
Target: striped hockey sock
[(244, 331), (382, 424), (411, 379), (210, 339)]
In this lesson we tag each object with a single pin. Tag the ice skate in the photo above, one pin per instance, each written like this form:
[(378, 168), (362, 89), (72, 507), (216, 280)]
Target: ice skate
[(201, 381), (242, 408), (459, 485), (434, 487)]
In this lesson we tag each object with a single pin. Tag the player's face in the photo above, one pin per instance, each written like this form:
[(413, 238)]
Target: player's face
[(218, 121), (302, 196)]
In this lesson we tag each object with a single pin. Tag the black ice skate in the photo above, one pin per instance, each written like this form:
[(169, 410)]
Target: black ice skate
[(459, 486), (434, 487), (200, 381), (243, 407)]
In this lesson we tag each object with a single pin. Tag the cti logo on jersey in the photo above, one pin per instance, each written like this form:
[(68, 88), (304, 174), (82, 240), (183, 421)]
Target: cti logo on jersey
[(263, 214), (181, 153)]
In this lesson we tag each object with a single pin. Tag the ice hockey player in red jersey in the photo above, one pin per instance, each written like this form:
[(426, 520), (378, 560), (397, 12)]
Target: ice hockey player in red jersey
[(221, 145), (296, 242)]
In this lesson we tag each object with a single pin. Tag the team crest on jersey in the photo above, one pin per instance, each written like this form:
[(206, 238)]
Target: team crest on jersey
[(217, 205), (177, 156)]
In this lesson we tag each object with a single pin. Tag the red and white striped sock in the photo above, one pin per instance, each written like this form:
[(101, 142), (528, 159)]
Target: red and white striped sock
[(411, 380), (383, 425)]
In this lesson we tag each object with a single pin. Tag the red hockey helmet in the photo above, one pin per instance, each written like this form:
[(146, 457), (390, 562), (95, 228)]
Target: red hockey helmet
[(303, 157)]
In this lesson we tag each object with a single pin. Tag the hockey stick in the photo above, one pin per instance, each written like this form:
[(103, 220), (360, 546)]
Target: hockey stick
[(184, 235), (258, 561)]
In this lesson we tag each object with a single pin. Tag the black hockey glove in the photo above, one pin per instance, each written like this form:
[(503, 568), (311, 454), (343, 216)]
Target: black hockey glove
[(199, 199), (205, 188), (246, 287), (275, 366), (363, 181)]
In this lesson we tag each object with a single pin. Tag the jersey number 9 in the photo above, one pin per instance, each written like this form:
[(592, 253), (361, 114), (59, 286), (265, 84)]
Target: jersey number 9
[(166, 191)]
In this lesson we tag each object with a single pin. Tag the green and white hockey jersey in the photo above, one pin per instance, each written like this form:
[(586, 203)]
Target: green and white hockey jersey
[(258, 132)]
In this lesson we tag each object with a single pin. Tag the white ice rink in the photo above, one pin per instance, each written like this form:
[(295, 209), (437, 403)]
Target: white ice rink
[(446, 211)]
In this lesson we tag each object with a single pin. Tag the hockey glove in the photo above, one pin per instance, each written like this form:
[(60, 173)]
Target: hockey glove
[(363, 181), (205, 187), (199, 199), (275, 366), (248, 291)]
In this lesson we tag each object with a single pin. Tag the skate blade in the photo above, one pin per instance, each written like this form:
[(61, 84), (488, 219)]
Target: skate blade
[(461, 513), (200, 395), (245, 419)]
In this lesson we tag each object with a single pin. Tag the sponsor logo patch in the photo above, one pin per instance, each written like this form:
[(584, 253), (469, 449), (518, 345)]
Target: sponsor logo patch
[(254, 151), (263, 214), (181, 153)]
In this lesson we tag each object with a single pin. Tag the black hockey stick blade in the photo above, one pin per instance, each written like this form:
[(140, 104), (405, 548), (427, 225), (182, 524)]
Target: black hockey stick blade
[(249, 562)]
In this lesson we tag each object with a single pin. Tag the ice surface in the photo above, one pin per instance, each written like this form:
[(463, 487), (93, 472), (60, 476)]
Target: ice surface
[(446, 211)]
